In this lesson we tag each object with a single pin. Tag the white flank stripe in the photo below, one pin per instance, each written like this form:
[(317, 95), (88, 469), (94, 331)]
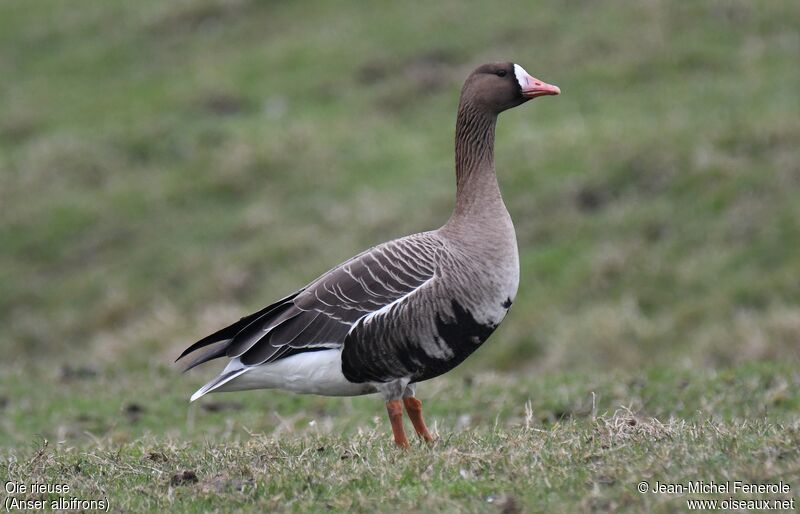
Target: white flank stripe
[(317, 372), (215, 384), (388, 306)]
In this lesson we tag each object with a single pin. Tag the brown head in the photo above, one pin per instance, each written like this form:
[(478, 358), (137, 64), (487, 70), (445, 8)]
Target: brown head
[(503, 85)]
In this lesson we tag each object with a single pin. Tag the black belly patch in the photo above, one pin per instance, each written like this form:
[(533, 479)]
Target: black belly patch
[(388, 360), (463, 335), (507, 304)]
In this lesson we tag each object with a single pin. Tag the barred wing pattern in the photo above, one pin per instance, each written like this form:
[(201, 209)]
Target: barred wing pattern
[(321, 315)]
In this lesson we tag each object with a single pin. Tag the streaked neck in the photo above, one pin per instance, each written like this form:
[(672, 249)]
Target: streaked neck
[(477, 192)]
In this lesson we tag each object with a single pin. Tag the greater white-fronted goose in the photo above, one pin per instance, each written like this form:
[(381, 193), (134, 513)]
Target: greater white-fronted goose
[(404, 311)]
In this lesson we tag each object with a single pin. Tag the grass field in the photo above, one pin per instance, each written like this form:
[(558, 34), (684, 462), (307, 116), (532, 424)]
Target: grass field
[(567, 442), (166, 167)]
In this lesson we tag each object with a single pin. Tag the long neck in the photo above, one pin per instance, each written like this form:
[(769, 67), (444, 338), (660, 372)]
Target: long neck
[(477, 191)]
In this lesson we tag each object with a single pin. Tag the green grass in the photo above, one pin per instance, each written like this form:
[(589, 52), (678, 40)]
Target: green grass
[(560, 443), (196, 158), (166, 167)]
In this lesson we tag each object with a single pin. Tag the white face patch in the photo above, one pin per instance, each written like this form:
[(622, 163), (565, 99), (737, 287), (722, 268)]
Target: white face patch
[(521, 75)]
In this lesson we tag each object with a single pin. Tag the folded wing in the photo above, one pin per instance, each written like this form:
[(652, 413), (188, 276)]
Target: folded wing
[(320, 315)]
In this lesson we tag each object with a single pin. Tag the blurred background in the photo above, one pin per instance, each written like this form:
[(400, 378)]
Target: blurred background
[(167, 167)]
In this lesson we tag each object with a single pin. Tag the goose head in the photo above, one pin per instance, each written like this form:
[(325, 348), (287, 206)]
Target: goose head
[(499, 86)]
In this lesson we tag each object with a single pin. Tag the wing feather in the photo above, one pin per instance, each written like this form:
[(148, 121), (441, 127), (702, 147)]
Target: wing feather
[(229, 332), (321, 314), (256, 331)]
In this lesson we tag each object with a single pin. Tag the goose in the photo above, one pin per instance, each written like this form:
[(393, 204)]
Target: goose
[(404, 311)]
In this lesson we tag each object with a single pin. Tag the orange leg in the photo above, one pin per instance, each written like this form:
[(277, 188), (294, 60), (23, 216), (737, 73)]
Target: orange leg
[(414, 411), (395, 409)]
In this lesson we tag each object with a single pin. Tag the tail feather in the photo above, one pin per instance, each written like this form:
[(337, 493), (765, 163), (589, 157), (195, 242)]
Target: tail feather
[(209, 354), (228, 333), (217, 383), (224, 334)]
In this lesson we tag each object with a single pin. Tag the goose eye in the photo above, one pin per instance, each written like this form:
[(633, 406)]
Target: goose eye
[(501, 73)]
